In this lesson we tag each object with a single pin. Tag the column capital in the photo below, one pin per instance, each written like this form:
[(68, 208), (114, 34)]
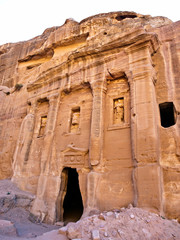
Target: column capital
[(53, 97), (147, 40), (99, 86)]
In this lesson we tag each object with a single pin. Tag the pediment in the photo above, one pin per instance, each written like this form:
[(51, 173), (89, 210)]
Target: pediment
[(71, 149), (74, 156)]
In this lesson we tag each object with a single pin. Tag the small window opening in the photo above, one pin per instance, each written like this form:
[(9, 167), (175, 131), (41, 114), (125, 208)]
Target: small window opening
[(167, 114), (42, 100), (75, 119), (118, 107), (121, 17), (42, 126)]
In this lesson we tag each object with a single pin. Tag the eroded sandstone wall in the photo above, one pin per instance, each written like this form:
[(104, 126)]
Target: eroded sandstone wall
[(93, 96)]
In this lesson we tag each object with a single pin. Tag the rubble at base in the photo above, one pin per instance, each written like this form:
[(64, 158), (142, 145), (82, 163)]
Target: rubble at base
[(132, 223), (126, 223)]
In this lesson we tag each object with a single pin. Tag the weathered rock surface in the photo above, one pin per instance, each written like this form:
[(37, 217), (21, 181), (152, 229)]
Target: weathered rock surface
[(131, 224), (7, 228), (11, 197), (16, 221), (93, 115), (5, 89)]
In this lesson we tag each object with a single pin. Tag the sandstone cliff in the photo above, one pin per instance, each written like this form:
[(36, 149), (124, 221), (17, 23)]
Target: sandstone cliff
[(100, 100)]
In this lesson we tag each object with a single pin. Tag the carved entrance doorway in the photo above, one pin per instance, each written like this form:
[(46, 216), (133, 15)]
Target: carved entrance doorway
[(71, 200)]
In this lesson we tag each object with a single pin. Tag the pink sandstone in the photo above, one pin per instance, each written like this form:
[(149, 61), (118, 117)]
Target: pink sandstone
[(90, 116)]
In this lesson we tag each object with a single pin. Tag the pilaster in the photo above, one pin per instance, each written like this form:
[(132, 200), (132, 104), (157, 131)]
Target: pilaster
[(144, 126), (97, 122), (49, 131), (41, 204)]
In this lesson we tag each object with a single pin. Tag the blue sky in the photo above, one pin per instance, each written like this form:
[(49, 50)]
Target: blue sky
[(24, 19)]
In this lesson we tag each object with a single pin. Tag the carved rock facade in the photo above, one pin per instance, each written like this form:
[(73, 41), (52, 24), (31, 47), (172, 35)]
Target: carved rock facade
[(92, 119)]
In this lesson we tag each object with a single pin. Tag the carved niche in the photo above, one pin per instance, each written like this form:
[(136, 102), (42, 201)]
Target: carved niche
[(75, 120), (118, 104), (42, 125), (118, 116)]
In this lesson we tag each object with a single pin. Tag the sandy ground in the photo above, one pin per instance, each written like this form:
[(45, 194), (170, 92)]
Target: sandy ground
[(16, 222)]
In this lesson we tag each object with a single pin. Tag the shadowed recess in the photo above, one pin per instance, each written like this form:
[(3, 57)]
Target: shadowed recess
[(73, 206)]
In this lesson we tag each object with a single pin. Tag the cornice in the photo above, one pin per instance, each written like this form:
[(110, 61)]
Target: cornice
[(130, 41)]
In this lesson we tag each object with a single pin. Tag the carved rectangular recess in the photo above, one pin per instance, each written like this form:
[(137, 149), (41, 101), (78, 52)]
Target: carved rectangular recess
[(118, 110), (42, 108), (43, 122), (75, 120), (167, 114), (118, 104)]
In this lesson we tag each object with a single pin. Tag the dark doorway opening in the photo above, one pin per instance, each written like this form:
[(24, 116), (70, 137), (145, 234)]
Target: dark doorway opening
[(72, 205), (167, 113)]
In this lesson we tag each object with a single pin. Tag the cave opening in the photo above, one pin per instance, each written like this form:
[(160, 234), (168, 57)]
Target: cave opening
[(72, 204), (167, 114), (122, 17)]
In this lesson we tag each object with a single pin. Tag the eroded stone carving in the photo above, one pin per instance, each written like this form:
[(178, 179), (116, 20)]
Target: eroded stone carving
[(75, 119), (74, 156), (42, 125), (118, 111), (24, 142)]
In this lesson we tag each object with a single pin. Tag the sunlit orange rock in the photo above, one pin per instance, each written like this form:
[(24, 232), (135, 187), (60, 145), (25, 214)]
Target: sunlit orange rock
[(90, 116)]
